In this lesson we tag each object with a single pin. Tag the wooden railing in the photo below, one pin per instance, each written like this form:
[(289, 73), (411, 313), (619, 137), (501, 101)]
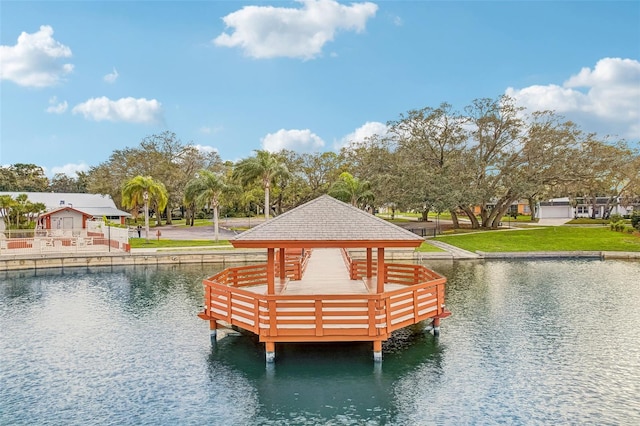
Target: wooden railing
[(324, 317), (60, 244), (295, 263), (241, 276)]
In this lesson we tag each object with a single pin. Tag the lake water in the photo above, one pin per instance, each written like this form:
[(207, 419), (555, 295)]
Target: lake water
[(529, 342)]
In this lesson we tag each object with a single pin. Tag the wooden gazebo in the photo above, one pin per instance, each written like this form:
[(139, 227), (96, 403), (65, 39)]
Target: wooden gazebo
[(314, 289)]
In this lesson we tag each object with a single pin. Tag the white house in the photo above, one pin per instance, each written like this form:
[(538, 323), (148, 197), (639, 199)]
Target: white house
[(556, 208), (72, 210), (602, 206)]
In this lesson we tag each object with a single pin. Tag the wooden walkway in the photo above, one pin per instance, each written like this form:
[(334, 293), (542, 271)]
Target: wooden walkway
[(326, 273)]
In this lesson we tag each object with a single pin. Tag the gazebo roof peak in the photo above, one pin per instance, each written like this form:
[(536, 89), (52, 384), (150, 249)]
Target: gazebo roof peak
[(326, 222)]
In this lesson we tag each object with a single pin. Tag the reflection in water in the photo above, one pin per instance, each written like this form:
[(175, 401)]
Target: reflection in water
[(528, 342)]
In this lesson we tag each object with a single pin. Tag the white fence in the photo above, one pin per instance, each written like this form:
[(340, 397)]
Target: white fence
[(96, 237)]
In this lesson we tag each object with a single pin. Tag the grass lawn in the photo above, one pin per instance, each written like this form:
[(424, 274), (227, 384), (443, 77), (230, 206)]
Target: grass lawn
[(197, 222), (588, 221), (550, 238), (426, 247), (162, 243)]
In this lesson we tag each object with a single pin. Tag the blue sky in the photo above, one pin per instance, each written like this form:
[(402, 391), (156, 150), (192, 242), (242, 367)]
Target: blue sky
[(82, 79)]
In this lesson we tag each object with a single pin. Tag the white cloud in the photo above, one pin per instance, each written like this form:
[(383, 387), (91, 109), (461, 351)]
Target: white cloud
[(368, 129), (270, 32), (125, 109), (70, 169), (205, 148), (294, 140), (56, 107), (605, 99), (112, 76), (35, 60)]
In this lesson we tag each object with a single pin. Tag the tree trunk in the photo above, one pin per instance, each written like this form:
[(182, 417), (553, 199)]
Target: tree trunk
[(501, 212), (168, 213), (215, 222), (501, 207), (146, 220), (425, 215), (532, 207), (472, 217), (454, 219), (266, 202), (484, 215)]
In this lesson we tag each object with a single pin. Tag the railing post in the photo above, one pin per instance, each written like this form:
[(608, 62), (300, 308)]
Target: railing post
[(227, 294), (318, 314), (373, 314), (273, 319)]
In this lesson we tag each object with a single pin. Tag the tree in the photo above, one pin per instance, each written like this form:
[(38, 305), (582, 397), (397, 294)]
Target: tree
[(430, 147), (6, 205), (162, 156), (22, 177), (63, 183), (7, 179), (207, 188), (141, 191), (352, 190), (264, 167), (21, 209), (375, 161)]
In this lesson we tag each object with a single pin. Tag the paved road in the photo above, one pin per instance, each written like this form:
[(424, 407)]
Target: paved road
[(172, 232)]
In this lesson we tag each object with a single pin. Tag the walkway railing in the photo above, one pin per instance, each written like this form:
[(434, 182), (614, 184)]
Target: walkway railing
[(295, 263), (63, 241), (415, 293)]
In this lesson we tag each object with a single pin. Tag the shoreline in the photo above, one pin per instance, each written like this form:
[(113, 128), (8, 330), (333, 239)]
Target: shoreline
[(183, 257)]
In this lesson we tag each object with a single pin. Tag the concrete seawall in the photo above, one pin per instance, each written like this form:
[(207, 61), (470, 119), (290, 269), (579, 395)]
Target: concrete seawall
[(18, 262), (183, 257), (162, 257)]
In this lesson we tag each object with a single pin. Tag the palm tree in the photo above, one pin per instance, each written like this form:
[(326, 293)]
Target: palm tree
[(207, 188), (352, 190), (140, 191), (264, 166), (7, 205)]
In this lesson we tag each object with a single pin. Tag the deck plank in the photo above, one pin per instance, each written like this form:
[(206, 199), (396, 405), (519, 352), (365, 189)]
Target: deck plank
[(326, 274)]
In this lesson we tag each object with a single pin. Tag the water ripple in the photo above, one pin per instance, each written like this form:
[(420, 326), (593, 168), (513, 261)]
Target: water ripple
[(528, 343)]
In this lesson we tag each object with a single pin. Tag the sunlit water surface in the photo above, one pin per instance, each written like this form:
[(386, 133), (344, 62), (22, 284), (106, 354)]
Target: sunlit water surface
[(529, 342)]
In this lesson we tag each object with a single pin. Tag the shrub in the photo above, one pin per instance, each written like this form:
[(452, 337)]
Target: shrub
[(629, 229), (620, 225), (635, 219), (615, 218)]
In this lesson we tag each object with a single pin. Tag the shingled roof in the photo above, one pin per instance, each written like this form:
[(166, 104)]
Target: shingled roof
[(326, 222)]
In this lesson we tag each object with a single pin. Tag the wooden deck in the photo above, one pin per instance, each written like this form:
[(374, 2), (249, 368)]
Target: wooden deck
[(329, 296), (326, 273), (326, 305)]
